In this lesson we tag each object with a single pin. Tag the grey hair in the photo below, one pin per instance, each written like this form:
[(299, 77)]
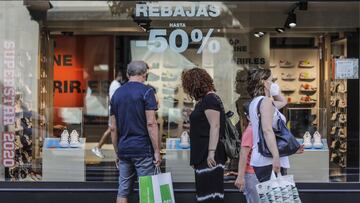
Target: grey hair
[(136, 68)]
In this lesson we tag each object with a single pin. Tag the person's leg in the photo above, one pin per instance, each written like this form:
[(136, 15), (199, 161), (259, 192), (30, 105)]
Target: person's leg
[(126, 180), (209, 183), (250, 184), (103, 138), (144, 166), (263, 173)]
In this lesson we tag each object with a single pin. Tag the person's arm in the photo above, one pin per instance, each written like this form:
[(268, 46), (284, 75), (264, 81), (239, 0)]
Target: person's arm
[(114, 135), (153, 130), (267, 112), (280, 101), (240, 180), (213, 118)]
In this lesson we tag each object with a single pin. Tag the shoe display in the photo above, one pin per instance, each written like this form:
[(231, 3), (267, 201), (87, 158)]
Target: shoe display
[(332, 87), (342, 103), (307, 140), (186, 125), (167, 76), (188, 101), (185, 140), (272, 65), (342, 133), (341, 88), (64, 139), (155, 65), (335, 145), (343, 118), (333, 101), (317, 141), (334, 116), (18, 126), (288, 89), (343, 147), (306, 76), (43, 90), (287, 76), (97, 151), (74, 139), (307, 88), (171, 125), (169, 89), (43, 75), (307, 100), (334, 130), (152, 77), (305, 64), (170, 101), (285, 64)]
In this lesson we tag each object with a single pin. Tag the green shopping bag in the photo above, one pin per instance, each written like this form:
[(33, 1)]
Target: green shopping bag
[(156, 189)]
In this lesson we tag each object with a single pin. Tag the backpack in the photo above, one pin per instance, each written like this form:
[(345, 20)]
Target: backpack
[(231, 138)]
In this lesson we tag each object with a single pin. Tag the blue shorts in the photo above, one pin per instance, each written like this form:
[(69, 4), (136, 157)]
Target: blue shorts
[(128, 167)]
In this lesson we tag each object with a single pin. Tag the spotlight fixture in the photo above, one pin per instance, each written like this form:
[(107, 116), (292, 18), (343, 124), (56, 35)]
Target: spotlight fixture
[(291, 20), (280, 30), (259, 34)]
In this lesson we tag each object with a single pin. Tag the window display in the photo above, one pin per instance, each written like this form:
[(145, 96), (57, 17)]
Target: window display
[(55, 102)]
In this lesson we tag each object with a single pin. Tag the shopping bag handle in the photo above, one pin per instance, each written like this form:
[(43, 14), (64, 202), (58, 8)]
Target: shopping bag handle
[(157, 170), (274, 176)]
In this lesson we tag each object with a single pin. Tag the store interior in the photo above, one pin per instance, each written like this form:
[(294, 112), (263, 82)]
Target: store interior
[(77, 65)]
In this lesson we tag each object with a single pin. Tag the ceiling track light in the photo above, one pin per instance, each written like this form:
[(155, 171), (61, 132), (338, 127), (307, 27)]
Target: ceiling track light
[(259, 34), (280, 30), (291, 20)]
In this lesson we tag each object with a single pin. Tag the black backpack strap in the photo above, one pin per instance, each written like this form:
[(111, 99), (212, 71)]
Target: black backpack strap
[(258, 107)]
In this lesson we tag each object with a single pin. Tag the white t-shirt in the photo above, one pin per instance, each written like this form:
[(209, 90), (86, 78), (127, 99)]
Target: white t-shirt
[(257, 159), (113, 87)]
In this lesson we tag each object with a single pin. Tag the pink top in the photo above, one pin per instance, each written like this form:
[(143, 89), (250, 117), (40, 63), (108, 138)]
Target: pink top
[(247, 141)]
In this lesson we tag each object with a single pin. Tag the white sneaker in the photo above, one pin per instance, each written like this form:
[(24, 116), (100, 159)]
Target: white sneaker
[(307, 140), (185, 140), (97, 151), (64, 139), (74, 139), (317, 141)]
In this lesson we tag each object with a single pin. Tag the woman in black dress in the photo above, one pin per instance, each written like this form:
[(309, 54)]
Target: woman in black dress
[(207, 125)]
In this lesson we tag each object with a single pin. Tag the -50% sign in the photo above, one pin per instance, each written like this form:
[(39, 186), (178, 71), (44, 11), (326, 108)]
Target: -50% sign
[(158, 43)]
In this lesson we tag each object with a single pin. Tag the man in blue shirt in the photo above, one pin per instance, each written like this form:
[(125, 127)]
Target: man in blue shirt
[(134, 130)]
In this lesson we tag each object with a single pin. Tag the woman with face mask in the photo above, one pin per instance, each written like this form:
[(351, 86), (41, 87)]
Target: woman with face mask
[(262, 89)]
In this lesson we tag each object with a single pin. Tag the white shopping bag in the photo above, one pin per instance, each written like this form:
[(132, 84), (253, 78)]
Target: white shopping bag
[(156, 189), (279, 189)]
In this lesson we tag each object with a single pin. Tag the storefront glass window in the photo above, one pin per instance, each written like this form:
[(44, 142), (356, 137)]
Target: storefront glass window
[(57, 69)]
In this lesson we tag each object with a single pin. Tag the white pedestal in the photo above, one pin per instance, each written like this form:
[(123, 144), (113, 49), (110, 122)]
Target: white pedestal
[(178, 162), (311, 166), (64, 164)]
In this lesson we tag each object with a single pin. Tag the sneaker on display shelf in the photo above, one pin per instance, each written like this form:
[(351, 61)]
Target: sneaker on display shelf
[(333, 101), (305, 64), (185, 140), (285, 64), (153, 77), (288, 89), (317, 141), (97, 151), (341, 88), (342, 133), (342, 103), (306, 76), (74, 139), (343, 147), (273, 65), (332, 87), (334, 116), (343, 118), (287, 76), (307, 100), (64, 139), (307, 140), (307, 87), (333, 130)]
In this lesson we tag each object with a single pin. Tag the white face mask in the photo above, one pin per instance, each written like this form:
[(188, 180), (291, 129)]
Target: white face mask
[(274, 89)]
